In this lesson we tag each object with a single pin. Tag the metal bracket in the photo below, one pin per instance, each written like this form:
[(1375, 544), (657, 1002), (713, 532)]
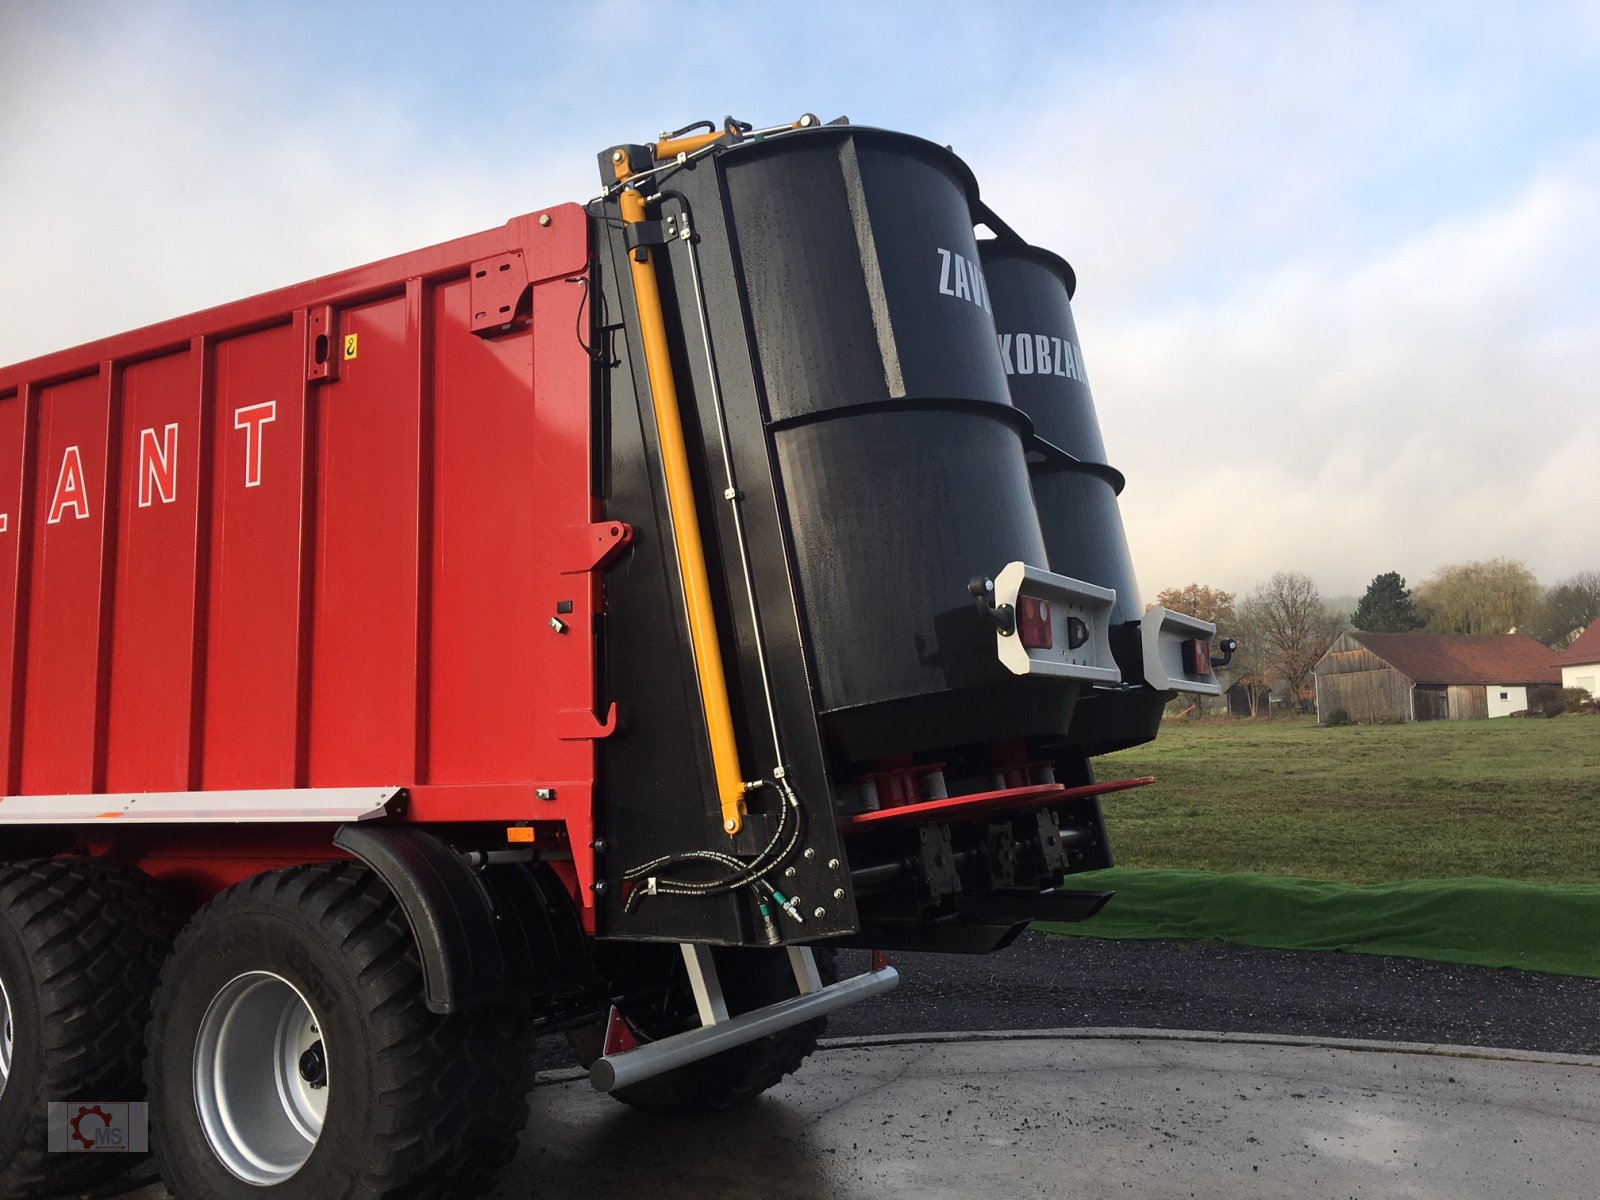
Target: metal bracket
[(322, 351), (581, 725), (590, 547), (496, 286)]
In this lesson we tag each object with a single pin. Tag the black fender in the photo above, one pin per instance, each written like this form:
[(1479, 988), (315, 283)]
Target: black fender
[(485, 936)]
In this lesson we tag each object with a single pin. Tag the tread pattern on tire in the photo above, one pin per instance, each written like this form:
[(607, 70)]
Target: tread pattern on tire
[(455, 1095), (98, 935)]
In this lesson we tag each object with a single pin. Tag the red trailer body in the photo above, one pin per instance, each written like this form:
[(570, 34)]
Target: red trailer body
[(311, 816), (337, 536)]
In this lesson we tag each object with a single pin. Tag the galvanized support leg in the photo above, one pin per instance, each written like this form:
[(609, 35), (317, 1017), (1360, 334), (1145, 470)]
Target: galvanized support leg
[(805, 969), (706, 985)]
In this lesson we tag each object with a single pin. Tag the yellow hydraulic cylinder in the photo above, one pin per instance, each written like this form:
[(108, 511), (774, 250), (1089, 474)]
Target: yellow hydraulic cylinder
[(686, 530)]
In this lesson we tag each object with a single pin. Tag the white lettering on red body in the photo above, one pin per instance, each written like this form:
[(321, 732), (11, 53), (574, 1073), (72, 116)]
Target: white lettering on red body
[(158, 466), (71, 489), (251, 419)]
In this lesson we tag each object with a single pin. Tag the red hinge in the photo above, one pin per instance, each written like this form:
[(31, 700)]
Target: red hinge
[(590, 547), (496, 291), (581, 725), (322, 348)]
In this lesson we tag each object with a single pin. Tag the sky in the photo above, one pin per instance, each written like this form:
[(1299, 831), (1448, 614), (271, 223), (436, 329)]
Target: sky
[(1338, 263)]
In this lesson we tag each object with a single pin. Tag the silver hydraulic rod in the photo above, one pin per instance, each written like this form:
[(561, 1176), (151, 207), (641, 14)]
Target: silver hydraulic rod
[(655, 1058), (731, 493)]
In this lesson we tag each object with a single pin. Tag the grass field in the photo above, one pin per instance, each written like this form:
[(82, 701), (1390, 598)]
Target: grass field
[(1509, 799)]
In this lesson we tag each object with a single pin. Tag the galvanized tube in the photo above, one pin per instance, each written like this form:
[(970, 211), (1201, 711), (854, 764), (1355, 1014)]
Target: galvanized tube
[(655, 1058)]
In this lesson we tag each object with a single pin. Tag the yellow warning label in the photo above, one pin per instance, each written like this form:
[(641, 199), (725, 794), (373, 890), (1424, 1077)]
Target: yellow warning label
[(349, 346)]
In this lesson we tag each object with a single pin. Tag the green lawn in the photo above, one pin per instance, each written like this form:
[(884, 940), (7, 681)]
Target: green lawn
[(1510, 799)]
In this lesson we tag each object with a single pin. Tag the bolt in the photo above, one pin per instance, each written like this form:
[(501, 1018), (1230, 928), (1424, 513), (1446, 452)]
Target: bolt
[(598, 887), (833, 864), (544, 219), (788, 872), (838, 893), (819, 913), (730, 825), (616, 156), (810, 853), (598, 845)]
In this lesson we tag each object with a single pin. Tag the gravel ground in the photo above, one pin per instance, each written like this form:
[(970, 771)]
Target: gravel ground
[(1045, 982)]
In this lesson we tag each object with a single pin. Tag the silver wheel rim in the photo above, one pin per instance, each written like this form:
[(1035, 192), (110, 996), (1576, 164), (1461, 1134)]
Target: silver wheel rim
[(261, 1093), (7, 1037)]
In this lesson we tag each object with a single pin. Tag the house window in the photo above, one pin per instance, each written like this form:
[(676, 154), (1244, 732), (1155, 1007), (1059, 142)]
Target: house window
[(1505, 695)]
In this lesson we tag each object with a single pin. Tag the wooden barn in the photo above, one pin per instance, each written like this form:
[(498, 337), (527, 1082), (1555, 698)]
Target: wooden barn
[(1431, 676)]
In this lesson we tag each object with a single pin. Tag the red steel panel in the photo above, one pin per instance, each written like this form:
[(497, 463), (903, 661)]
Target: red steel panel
[(152, 642), (64, 626), (321, 573), (487, 629), (252, 699), (15, 433), (364, 655)]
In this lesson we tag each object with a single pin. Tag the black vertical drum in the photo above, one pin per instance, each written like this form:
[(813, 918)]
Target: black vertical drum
[(901, 459), (1074, 485)]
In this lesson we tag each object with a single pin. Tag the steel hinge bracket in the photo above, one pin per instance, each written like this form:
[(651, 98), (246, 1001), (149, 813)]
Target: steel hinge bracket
[(496, 286), (592, 546), (581, 725)]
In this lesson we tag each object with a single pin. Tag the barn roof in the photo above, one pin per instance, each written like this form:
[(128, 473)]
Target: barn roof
[(1465, 657), (1586, 649)]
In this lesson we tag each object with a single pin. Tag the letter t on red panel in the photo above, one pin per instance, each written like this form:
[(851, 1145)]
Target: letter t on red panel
[(251, 420)]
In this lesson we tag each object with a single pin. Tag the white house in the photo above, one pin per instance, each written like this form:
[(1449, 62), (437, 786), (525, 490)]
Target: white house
[(1580, 662)]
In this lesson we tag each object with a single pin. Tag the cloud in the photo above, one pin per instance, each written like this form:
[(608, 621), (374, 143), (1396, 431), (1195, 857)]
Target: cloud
[(1426, 405), (1337, 261)]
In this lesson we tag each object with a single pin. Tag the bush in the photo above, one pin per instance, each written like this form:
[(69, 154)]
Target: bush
[(1338, 717)]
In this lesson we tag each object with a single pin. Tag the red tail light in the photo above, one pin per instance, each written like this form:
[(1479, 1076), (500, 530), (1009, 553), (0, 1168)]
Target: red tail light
[(1197, 658), (1033, 623)]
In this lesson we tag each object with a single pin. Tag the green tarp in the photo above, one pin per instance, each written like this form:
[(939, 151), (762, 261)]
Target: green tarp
[(1484, 922)]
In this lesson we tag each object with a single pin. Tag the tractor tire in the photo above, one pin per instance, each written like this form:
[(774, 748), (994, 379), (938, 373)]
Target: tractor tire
[(81, 944), (291, 1054), (750, 979)]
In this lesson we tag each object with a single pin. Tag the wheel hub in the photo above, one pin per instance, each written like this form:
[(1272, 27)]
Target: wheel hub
[(261, 1077)]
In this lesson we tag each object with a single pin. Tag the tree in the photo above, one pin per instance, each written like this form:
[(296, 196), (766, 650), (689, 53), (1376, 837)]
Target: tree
[(1569, 608), (1295, 630), (1208, 604), (1252, 661), (1198, 600), (1481, 597), (1386, 607)]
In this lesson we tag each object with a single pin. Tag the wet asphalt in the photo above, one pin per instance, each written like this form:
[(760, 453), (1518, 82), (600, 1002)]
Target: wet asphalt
[(1051, 982)]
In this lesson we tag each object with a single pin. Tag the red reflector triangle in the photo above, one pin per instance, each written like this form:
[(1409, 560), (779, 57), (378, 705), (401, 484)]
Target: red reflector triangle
[(619, 1038)]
